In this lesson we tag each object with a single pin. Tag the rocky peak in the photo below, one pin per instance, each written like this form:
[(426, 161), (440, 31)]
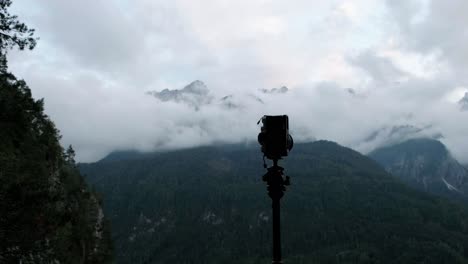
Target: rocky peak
[(196, 87), (195, 94)]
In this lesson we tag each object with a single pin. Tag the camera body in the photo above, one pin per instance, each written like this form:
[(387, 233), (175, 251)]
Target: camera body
[(274, 137)]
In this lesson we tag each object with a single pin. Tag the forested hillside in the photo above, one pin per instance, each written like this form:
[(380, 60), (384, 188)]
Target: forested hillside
[(209, 205), (47, 212)]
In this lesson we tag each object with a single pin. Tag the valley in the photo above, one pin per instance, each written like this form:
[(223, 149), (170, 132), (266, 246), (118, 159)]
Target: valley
[(209, 205)]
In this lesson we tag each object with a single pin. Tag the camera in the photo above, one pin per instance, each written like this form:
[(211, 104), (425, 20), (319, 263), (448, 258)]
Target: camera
[(274, 137)]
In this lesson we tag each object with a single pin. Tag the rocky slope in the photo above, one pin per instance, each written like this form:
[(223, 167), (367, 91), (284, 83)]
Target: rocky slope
[(425, 164)]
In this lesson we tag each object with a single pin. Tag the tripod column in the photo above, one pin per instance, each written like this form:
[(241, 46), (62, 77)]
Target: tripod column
[(276, 231), (276, 187)]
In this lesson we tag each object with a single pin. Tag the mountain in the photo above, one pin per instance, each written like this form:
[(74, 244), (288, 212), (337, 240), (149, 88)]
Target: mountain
[(47, 212), (394, 134), (209, 205), (195, 94), (426, 164)]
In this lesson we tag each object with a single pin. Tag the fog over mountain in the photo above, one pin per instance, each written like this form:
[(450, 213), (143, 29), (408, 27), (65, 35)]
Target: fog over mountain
[(364, 74), (196, 94)]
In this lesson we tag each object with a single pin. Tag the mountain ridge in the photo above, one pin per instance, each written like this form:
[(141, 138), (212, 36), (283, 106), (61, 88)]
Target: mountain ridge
[(196, 95), (426, 164), (209, 205)]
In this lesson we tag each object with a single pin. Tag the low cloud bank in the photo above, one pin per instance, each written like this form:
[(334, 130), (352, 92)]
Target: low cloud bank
[(97, 121), (362, 73)]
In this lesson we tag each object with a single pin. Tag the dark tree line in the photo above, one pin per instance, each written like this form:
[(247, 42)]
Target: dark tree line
[(47, 212), (209, 205)]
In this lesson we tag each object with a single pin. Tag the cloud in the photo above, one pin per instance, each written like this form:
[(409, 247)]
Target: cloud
[(435, 27), (403, 60)]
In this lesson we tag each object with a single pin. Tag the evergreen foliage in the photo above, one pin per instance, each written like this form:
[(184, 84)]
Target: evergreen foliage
[(209, 205), (13, 34), (47, 212)]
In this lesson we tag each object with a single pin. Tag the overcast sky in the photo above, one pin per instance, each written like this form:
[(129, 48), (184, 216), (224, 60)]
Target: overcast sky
[(405, 61)]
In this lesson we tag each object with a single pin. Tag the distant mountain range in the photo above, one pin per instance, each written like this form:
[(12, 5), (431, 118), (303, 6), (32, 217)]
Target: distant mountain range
[(389, 135), (196, 95), (395, 133), (209, 205)]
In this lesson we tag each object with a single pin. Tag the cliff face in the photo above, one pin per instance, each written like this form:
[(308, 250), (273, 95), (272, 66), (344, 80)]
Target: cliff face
[(426, 164)]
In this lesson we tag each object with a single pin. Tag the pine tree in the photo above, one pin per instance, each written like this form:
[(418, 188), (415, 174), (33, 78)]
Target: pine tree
[(70, 156), (47, 212), (13, 34)]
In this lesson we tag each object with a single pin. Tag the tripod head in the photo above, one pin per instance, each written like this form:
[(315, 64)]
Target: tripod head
[(276, 181)]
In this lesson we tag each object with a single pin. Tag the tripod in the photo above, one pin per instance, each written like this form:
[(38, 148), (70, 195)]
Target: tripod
[(276, 187)]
